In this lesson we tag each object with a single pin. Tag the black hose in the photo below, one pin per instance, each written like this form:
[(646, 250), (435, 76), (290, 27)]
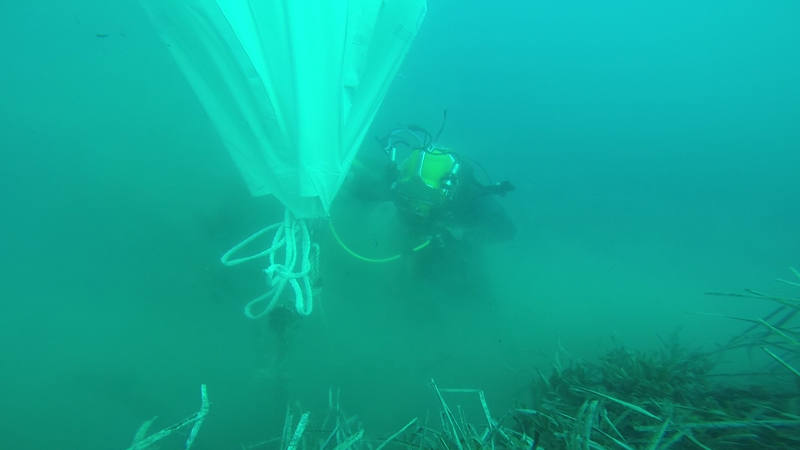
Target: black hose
[(441, 127)]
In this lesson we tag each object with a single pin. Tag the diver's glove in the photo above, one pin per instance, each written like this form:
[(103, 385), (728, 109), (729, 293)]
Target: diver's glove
[(501, 188)]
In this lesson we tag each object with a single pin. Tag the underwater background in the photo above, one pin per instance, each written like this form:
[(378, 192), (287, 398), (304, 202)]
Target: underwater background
[(654, 147)]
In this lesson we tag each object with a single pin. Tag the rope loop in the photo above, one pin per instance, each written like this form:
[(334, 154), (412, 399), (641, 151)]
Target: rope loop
[(299, 265)]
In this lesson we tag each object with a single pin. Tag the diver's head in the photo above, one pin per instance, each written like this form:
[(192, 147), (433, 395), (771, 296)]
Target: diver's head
[(426, 181)]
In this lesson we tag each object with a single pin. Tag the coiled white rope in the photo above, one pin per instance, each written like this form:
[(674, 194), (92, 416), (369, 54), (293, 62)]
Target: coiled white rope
[(299, 266)]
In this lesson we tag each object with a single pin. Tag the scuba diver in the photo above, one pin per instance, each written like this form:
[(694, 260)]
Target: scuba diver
[(436, 192)]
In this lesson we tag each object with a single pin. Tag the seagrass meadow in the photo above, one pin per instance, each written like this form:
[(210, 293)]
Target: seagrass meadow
[(673, 397)]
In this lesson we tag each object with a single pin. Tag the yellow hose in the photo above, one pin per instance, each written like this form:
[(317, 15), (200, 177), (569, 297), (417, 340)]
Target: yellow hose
[(372, 260)]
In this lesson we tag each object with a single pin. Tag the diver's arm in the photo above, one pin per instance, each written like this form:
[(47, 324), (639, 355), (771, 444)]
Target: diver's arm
[(475, 188), (371, 183), (500, 188)]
